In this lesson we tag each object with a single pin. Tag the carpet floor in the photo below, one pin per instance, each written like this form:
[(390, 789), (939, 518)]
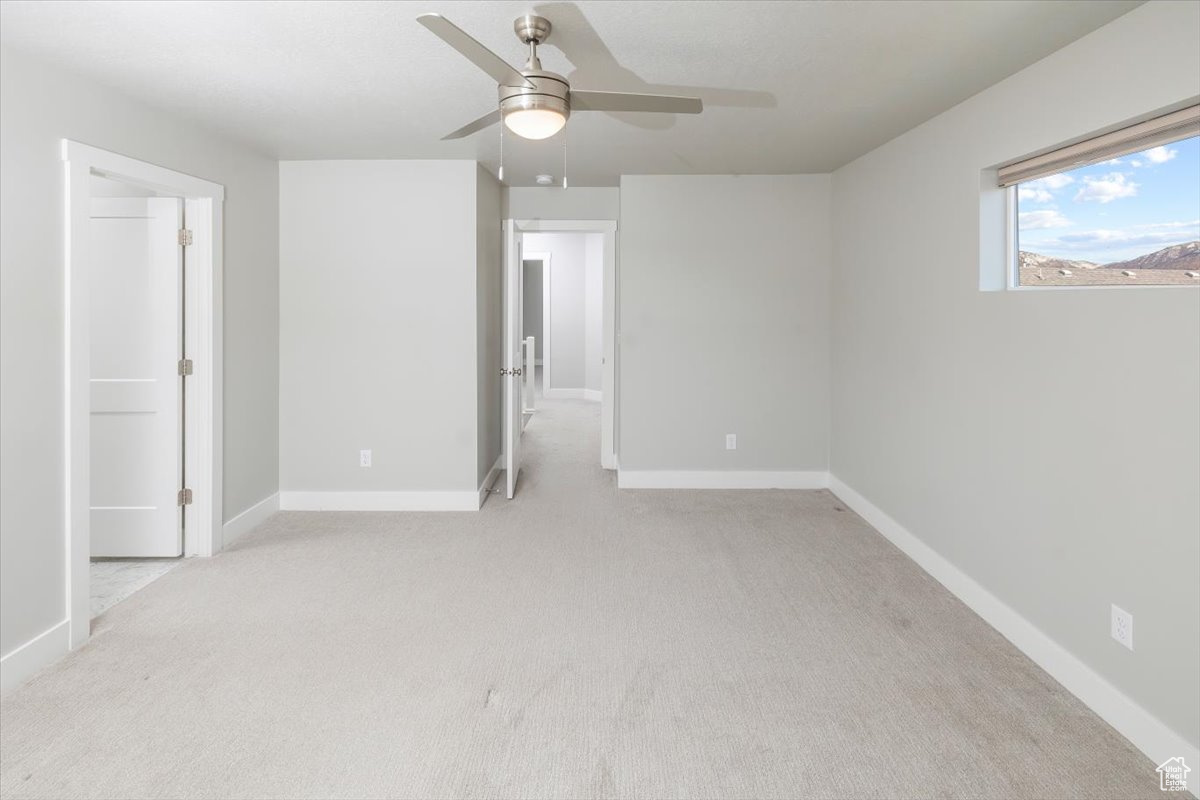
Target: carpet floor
[(578, 641)]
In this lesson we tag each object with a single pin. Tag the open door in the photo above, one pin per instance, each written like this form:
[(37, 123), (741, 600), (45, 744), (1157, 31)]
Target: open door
[(136, 429), (511, 369)]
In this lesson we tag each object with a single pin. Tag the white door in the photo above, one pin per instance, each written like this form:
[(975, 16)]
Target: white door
[(512, 355), (135, 269)]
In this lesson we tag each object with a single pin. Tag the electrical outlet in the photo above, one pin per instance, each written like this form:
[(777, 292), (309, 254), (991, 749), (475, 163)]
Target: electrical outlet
[(1122, 627), (731, 441), (364, 458)]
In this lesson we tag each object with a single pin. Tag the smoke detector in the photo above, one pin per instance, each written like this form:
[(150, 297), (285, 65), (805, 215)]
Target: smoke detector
[(545, 180)]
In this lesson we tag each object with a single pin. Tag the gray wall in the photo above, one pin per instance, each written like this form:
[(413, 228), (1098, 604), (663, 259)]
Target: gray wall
[(1044, 442), (531, 305), (489, 300), (724, 321), (41, 106), (378, 345)]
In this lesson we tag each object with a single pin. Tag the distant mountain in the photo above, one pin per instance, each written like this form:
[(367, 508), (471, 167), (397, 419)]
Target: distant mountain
[(1179, 256), (1028, 260)]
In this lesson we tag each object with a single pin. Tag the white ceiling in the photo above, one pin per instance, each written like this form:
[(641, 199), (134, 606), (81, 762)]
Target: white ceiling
[(788, 87)]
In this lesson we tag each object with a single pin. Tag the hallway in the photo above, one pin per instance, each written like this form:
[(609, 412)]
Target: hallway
[(578, 641)]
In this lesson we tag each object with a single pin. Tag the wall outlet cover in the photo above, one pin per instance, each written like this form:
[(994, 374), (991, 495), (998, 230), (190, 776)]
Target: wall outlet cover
[(1122, 626), (364, 458), (731, 441)]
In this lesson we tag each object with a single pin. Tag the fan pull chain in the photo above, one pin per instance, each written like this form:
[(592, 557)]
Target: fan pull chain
[(500, 174), (564, 158)]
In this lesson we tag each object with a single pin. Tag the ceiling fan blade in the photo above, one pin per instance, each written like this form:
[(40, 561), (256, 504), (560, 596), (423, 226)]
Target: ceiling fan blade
[(476, 53), (626, 101), (487, 120)]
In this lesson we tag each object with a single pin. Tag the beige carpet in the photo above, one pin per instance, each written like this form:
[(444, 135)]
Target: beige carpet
[(577, 642)]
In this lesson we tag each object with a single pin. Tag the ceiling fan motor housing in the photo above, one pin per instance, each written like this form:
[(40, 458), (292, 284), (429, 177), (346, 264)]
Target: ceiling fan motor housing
[(550, 92)]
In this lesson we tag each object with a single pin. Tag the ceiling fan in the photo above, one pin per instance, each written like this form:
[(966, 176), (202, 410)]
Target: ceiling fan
[(534, 103)]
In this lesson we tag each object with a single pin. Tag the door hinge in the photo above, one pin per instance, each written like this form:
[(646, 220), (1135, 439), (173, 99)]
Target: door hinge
[(185, 366), (185, 237), (185, 497)]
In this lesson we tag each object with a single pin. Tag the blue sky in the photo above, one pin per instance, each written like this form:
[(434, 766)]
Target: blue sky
[(1117, 209)]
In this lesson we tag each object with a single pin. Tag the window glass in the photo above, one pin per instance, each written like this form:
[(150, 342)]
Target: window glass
[(1132, 220)]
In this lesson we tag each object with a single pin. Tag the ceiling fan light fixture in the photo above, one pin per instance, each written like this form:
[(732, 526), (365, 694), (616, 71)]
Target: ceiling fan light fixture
[(536, 113), (535, 123)]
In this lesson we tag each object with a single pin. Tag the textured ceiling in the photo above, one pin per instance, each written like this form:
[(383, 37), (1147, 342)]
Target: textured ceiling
[(787, 86)]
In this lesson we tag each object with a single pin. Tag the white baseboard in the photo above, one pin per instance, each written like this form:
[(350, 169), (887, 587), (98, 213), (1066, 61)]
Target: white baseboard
[(595, 395), (22, 663), (379, 501), (249, 519), (713, 479), (490, 479), (1139, 726)]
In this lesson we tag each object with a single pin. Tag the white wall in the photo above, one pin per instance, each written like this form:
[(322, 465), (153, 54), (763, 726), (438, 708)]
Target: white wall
[(1044, 443), (42, 105), (384, 287), (546, 202), (724, 321), (531, 305), (572, 344), (593, 311), (489, 332)]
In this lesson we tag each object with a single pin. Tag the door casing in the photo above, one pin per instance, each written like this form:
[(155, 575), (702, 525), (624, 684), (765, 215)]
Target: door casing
[(203, 331)]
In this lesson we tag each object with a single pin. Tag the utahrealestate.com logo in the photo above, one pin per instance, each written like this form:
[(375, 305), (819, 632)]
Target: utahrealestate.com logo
[(1172, 775)]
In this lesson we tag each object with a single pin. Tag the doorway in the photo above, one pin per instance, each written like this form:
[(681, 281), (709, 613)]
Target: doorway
[(578, 359), (143, 388)]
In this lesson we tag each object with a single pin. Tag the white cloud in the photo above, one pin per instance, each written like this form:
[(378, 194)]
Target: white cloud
[(1038, 220), (1056, 181), (1111, 162), (1034, 194), (1042, 190), (1194, 225), (1107, 188), (1106, 245), (1135, 163), (1114, 239), (1160, 154)]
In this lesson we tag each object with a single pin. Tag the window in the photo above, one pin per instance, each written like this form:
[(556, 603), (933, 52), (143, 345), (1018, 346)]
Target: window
[(1119, 210)]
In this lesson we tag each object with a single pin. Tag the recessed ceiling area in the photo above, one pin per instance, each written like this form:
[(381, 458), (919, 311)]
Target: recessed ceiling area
[(788, 87)]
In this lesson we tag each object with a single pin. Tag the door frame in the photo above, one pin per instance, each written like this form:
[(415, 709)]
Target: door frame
[(609, 388), (203, 330)]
